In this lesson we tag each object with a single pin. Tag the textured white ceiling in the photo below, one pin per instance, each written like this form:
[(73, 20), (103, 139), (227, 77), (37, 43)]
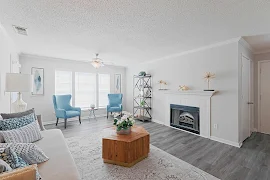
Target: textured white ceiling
[(129, 31)]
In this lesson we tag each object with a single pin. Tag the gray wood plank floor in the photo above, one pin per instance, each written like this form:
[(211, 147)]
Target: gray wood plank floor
[(251, 162)]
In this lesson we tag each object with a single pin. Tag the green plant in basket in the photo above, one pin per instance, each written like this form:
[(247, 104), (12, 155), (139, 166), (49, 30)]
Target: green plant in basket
[(125, 122)]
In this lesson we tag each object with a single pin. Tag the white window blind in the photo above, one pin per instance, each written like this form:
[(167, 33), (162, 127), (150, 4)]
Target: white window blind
[(85, 89), (63, 82), (104, 89)]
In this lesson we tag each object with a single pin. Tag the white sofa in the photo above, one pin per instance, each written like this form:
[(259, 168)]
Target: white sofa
[(61, 165)]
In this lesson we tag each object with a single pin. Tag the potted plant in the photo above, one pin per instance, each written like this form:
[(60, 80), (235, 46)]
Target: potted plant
[(124, 124), (142, 103)]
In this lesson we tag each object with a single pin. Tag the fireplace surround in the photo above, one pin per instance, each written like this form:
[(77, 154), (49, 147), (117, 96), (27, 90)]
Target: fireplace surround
[(192, 98)]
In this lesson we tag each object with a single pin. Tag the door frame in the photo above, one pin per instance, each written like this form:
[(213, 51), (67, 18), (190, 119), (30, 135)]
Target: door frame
[(251, 77), (259, 92)]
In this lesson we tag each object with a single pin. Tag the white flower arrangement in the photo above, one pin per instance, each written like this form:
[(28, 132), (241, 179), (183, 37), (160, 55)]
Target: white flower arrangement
[(125, 122)]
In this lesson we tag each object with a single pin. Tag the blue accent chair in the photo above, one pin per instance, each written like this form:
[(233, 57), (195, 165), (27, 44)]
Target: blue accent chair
[(63, 109), (115, 103)]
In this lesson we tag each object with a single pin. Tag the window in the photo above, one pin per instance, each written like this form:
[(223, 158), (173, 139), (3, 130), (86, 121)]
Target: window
[(104, 89), (85, 89), (63, 82)]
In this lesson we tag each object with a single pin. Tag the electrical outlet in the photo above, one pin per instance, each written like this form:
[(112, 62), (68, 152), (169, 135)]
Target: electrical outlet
[(215, 126)]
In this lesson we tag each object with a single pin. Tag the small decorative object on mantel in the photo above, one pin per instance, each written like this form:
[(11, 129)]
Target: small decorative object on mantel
[(207, 77), (162, 85), (183, 88), (124, 124), (142, 73)]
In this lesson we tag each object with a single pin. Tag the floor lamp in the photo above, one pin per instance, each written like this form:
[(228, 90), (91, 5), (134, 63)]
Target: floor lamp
[(16, 82)]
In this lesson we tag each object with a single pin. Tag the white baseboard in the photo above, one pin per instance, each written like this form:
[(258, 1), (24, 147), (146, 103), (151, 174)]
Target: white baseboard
[(72, 119), (157, 121), (255, 130), (212, 137), (235, 144)]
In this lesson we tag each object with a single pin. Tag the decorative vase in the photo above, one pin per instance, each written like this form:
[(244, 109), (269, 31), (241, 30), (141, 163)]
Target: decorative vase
[(92, 106), (124, 131), (142, 73)]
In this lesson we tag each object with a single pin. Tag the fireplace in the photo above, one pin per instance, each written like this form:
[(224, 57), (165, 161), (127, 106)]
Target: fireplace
[(185, 117)]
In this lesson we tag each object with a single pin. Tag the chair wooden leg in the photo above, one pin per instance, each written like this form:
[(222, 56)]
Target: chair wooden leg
[(65, 123), (80, 119), (57, 121)]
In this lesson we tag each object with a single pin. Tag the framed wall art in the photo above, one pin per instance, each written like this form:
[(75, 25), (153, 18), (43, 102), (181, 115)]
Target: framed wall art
[(38, 81), (117, 83)]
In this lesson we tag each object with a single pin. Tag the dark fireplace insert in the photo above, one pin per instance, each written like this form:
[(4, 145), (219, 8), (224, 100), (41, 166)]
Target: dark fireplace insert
[(185, 117)]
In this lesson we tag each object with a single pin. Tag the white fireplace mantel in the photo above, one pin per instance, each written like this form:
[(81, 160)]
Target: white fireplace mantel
[(193, 92), (200, 99)]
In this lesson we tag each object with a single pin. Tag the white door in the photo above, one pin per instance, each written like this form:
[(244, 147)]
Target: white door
[(265, 97), (245, 106)]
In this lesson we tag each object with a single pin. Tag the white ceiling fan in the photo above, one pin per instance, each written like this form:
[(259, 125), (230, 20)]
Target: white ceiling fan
[(97, 62)]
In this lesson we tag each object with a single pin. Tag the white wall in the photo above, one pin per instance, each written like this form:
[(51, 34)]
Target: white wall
[(43, 104), (189, 70), (7, 55)]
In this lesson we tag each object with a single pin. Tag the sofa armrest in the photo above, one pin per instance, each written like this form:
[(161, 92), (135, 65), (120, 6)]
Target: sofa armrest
[(26, 173), (39, 120)]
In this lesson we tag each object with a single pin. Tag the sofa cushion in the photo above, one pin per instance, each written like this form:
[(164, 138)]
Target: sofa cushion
[(30, 152), (61, 164), (25, 134)]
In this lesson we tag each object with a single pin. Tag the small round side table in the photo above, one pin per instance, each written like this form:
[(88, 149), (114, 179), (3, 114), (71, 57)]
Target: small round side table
[(92, 113)]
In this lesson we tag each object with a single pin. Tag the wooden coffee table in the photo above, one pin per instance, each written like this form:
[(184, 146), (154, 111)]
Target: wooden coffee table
[(125, 150)]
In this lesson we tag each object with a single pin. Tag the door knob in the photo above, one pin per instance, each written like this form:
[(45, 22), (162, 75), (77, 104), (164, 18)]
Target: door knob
[(250, 103)]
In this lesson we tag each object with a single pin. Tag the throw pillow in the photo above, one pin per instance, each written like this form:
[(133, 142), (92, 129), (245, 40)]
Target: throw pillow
[(26, 134), (14, 123), (11, 158), (17, 115), (20, 114), (4, 167), (30, 152)]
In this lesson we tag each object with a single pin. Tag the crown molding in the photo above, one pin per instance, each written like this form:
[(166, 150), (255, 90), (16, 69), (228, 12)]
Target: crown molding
[(49, 58), (196, 50), (244, 43)]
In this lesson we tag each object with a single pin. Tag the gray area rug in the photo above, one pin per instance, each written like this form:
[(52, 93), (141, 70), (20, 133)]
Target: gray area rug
[(87, 153)]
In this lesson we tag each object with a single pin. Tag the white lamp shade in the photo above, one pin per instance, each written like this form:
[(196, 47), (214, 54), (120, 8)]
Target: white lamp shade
[(16, 82)]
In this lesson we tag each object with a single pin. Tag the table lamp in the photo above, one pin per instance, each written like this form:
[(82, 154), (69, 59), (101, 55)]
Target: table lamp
[(16, 82)]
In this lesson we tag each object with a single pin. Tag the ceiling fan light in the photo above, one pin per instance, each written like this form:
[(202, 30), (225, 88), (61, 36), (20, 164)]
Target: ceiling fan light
[(97, 64)]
